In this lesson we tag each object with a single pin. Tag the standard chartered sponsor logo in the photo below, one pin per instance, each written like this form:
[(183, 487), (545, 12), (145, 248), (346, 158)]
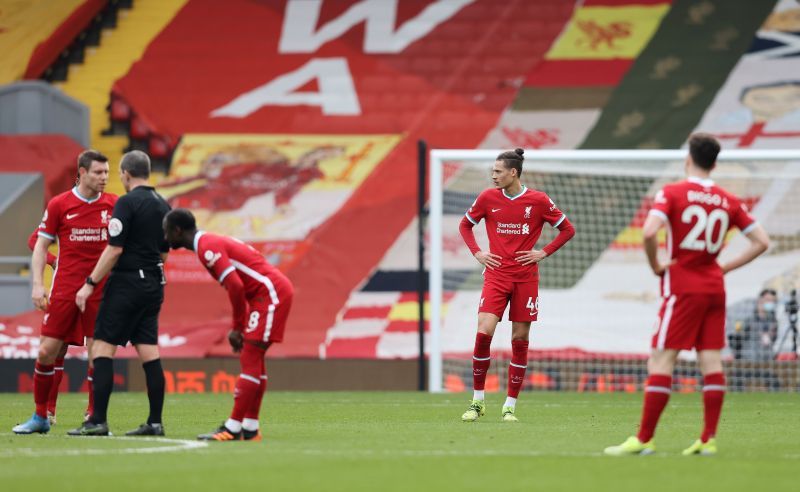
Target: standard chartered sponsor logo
[(88, 235), (512, 228)]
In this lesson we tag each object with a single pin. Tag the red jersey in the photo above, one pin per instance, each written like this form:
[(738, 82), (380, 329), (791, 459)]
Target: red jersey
[(698, 215), (223, 256), (80, 227), (514, 224)]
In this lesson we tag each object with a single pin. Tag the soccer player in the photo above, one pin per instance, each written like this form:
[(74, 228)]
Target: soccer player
[(58, 366), (261, 297), (697, 214), (514, 215), (78, 220)]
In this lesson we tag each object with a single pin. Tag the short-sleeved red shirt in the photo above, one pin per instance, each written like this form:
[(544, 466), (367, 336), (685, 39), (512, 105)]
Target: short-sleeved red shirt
[(697, 214), (514, 224), (80, 226)]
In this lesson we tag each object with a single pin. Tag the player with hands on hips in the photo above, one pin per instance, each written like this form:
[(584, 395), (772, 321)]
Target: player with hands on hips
[(514, 215)]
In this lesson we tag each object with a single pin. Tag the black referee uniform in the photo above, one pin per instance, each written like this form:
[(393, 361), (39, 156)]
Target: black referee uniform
[(134, 291)]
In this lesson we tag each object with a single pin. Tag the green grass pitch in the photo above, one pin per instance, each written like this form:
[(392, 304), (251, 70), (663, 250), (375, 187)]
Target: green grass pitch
[(409, 442)]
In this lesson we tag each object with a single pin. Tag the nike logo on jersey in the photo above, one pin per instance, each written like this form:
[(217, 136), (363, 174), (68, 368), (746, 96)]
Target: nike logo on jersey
[(72, 216), (495, 209)]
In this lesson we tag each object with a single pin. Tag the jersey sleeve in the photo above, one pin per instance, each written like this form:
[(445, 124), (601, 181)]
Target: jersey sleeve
[(215, 258), (552, 215), (741, 218), (661, 205), (50, 221), (120, 222), (478, 209)]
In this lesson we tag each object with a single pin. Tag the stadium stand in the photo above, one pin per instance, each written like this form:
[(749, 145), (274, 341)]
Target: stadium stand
[(34, 33)]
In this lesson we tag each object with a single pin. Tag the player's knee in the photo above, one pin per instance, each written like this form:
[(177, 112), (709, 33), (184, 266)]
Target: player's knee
[(250, 359), (47, 354)]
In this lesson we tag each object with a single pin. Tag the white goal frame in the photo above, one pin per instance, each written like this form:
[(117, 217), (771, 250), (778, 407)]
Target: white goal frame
[(532, 158)]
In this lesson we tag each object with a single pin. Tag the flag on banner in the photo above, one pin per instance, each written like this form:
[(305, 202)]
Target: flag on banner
[(603, 33)]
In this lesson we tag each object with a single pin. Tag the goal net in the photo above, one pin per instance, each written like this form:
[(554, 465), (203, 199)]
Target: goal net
[(598, 300)]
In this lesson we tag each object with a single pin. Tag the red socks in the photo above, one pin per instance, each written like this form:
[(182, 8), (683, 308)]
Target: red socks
[(656, 396), (52, 398), (713, 395), (255, 406), (249, 383), (42, 382), (481, 360), (516, 369)]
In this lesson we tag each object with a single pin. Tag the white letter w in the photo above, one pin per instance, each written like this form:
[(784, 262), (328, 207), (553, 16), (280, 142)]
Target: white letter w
[(301, 17)]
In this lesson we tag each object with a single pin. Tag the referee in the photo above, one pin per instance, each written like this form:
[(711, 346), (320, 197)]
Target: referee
[(132, 297)]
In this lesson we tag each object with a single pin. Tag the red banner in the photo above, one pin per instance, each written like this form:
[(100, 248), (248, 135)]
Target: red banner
[(432, 69)]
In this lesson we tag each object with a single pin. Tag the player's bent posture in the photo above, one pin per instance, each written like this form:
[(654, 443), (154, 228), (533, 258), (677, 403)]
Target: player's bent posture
[(77, 220), (261, 297), (514, 216), (697, 214), (132, 297)]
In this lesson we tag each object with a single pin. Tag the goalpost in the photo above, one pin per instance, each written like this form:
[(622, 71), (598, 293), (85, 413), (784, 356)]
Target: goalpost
[(598, 298)]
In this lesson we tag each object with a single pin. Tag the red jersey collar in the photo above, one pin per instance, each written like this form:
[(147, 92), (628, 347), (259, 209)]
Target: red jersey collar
[(524, 189), (81, 197)]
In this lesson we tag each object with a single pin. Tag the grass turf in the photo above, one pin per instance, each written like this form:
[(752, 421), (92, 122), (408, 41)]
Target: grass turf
[(402, 441)]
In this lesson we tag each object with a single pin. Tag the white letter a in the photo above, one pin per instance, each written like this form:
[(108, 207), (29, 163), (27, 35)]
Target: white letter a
[(336, 96)]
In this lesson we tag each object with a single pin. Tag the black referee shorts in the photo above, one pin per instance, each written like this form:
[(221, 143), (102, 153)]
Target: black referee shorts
[(130, 307)]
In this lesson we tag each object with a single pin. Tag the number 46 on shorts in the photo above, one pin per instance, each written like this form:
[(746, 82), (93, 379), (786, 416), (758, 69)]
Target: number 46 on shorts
[(533, 305)]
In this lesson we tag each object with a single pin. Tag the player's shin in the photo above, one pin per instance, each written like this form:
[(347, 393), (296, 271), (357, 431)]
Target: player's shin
[(247, 386), (250, 422), (42, 382), (52, 398), (713, 396), (481, 360), (656, 396), (516, 370)]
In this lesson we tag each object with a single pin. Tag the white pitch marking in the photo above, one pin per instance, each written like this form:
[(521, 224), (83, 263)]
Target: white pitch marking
[(176, 445)]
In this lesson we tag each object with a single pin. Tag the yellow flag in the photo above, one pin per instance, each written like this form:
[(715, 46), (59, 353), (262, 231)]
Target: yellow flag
[(602, 33)]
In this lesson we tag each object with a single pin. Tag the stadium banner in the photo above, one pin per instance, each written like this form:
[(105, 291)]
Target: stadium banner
[(24, 26), (662, 97), (561, 97), (268, 190), (598, 32), (578, 73), (16, 375), (547, 371), (19, 337), (339, 69), (218, 375), (531, 130), (759, 105)]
